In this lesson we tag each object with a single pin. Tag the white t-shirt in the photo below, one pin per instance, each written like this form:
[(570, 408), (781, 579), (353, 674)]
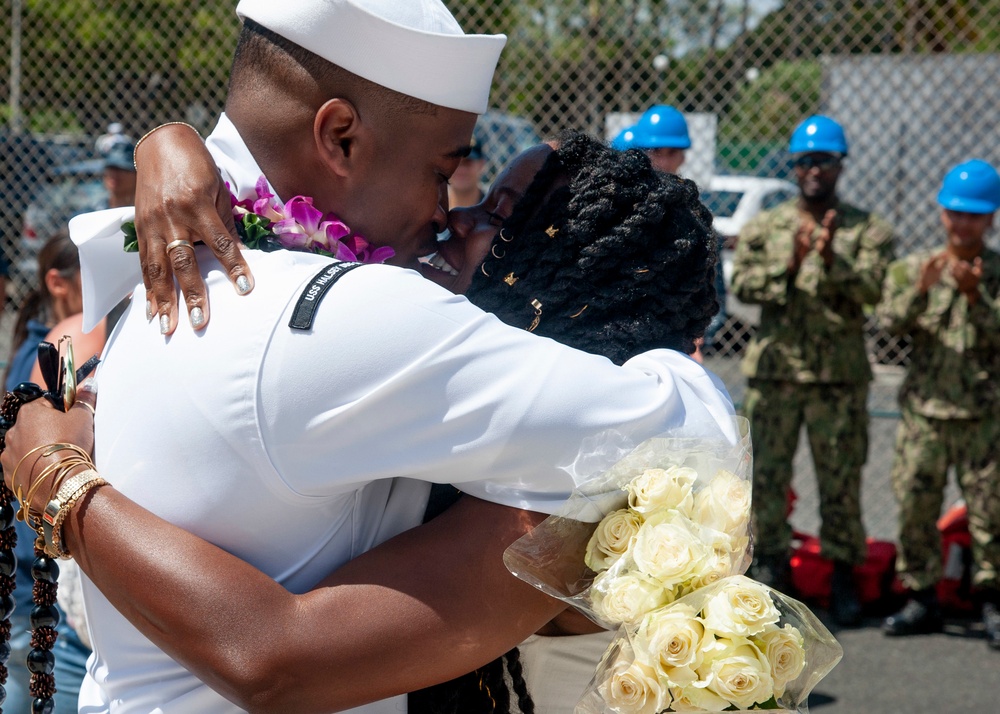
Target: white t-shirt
[(299, 450)]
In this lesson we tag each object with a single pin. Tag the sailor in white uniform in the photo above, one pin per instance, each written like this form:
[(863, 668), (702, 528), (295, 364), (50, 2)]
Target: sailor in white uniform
[(299, 438)]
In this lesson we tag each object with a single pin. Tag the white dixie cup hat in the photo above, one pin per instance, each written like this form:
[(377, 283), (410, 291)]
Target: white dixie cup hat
[(415, 47)]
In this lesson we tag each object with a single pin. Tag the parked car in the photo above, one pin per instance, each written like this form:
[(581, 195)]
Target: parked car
[(25, 162), (68, 190), (733, 201)]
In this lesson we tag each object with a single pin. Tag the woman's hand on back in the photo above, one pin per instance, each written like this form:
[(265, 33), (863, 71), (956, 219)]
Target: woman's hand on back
[(180, 196)]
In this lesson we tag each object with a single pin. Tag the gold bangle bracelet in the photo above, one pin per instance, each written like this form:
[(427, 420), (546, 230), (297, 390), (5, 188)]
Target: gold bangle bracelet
[(80, 456), (62, 504), (57, 540), (60, 469), (157, 128), (13, 476)]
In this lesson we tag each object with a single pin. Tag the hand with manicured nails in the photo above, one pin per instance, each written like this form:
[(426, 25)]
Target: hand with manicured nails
[(180, 195)]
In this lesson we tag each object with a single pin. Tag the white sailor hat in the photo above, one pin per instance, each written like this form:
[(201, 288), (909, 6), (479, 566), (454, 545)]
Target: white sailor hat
[(415, 47)]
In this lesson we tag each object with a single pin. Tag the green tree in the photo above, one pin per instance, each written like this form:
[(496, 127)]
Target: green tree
[(136, 61)]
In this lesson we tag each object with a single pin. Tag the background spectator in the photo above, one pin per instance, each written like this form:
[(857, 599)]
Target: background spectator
[(811, 264), (945, 299)]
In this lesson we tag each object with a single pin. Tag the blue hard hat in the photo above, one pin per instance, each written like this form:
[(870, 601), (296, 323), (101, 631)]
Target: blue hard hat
[(971, 187), (661, 127), (820, 134), (625, 139)]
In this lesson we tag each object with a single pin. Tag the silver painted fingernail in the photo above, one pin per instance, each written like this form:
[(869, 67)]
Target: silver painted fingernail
[(149, 310), (197, 317), (164, 324), (242, 285)]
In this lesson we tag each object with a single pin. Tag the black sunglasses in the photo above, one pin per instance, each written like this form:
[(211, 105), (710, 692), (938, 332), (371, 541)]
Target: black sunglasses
[(823, 162)]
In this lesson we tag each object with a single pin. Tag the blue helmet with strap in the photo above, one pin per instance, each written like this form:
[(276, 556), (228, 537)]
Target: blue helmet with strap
[(625, 139), (971, 187), (818, 133), (661, 126)]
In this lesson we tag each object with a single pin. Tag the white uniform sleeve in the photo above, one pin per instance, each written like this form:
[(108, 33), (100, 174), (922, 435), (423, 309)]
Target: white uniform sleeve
[(401, 378)]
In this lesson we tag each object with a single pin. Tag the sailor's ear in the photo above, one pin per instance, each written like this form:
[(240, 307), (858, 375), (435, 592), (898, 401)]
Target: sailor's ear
[(341, 138)]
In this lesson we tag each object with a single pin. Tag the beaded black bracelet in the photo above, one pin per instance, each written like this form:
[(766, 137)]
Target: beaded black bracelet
[(44, 571)]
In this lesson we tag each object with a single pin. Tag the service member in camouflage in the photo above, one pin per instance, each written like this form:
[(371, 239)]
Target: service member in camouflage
[(948, 302), (811, 264)]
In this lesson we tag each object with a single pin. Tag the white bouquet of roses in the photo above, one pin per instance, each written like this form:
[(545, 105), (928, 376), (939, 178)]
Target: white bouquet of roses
[(733, 645), (670, 517), (655, 546)]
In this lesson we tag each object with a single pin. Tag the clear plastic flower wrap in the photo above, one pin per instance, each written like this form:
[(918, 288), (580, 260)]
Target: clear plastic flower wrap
[(735, 645), (670, 516)]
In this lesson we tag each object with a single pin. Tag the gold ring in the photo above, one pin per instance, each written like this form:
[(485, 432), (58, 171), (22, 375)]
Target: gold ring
[(88, 405), (179, 244)]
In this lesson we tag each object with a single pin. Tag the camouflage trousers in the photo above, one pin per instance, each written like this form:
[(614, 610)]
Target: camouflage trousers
[(925, 448), (836, 421)]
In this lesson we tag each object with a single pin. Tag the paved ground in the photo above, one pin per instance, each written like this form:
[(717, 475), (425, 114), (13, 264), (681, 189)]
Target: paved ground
[(949, 673)]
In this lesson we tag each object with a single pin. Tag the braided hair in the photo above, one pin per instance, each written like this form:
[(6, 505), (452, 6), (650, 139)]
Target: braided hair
[(486, 690), (621, 257)]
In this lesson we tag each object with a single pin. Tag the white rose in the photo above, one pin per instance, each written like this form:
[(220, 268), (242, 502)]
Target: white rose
[(672, 639), (741, 607), (718, 565), (626, 597), (738, 672), (614, 534), (670, 549), (785, 652), (724, 504), (656, 489), (696, 698), (632, 687)]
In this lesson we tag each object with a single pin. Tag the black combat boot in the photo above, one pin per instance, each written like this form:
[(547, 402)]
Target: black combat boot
[(773, 571), (845, 605), (920, 616), (991, 623)]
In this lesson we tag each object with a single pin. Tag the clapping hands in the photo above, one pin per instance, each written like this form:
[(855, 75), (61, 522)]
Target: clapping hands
[(967, 274), (823, 245)]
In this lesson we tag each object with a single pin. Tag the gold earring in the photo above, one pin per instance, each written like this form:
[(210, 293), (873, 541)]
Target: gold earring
[(538, 315), (573, 317), (505, 240), (493, 251), (511, 279), (551, 231)]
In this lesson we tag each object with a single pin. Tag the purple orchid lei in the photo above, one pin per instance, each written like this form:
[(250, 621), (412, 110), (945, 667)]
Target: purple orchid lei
[(265, 224)]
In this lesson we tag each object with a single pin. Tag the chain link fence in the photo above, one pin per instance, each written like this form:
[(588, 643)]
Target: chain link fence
[(913, 82)]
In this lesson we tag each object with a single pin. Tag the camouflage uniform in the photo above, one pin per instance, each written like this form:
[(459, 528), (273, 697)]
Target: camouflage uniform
[(949, 401), (807, 363)]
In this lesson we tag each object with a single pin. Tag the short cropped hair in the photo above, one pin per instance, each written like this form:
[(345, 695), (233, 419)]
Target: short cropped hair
[(263, 56)]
